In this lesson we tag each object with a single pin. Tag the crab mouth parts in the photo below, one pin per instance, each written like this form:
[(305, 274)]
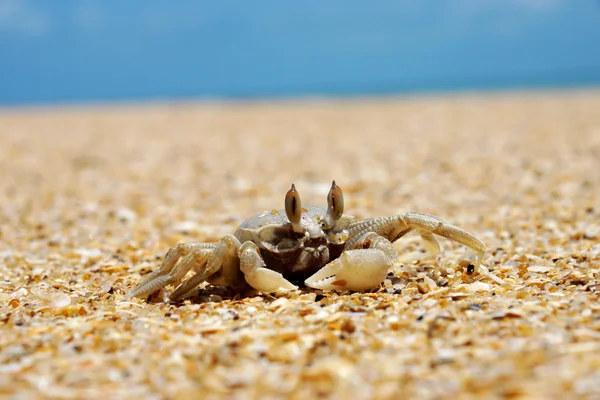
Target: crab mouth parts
[(318, 252), (311, 259), (312, 251)]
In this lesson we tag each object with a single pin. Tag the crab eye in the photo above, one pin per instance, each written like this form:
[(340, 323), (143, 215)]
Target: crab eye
[(335, 201), (293, 207)]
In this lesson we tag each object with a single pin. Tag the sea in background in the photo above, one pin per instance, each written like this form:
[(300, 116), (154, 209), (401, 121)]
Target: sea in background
[(103, 51)]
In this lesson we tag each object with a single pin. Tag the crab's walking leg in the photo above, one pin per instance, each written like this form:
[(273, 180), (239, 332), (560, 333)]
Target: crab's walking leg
[(363, 265), (431, 244), (397, 226), (255, 273), (224, 254), (433, 225), (178, 261)]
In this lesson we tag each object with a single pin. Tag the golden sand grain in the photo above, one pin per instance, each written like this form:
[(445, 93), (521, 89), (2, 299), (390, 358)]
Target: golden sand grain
[(91, 199)]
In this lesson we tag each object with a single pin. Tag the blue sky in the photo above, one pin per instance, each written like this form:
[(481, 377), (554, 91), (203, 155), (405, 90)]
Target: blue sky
[(103, 50)]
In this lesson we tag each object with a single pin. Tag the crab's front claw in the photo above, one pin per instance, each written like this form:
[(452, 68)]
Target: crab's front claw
[(260, 278), (267, 281), (355, 270)]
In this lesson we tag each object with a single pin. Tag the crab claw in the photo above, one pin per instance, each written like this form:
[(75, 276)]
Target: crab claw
[(260, 278), (355, 270), (268, 281)]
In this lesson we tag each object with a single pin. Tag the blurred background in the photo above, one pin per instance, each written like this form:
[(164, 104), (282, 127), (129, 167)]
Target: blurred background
[(110, 50)]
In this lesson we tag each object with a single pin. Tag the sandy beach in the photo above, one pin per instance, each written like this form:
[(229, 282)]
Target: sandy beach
[(91, 199)]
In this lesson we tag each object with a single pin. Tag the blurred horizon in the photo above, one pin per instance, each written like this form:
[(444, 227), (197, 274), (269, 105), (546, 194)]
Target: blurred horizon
[(103, 51)]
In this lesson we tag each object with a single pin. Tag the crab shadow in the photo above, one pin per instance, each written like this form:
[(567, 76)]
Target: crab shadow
[(217, 294)]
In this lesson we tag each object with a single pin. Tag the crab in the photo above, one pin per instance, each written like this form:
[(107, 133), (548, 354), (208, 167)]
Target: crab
[(320, 246)]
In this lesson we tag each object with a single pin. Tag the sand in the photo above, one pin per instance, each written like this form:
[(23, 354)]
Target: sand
[(91, 198)]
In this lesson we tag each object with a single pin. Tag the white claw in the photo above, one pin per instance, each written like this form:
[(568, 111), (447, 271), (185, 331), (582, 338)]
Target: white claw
[(259, 277), (355, 270), (268, 281)]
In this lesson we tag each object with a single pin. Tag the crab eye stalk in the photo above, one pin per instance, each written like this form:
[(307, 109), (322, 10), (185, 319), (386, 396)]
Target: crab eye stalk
[(335, 202), (335, 206), (293, 206)]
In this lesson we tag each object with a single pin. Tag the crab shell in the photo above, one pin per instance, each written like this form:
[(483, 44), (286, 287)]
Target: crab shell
[(296, 255)]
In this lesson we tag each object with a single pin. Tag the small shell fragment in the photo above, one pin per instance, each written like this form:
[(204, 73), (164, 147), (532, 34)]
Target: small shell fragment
[(186, 227), (280, 303), (59, 301), (105, 287), (507, 314), (477, 287), (539, 268)]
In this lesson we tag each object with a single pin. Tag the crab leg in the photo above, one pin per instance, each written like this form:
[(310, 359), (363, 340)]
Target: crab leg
[(434, 225), (255, 273), (363, 265), (178, 261), (393, 228), (224, 254), (431, 244)]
